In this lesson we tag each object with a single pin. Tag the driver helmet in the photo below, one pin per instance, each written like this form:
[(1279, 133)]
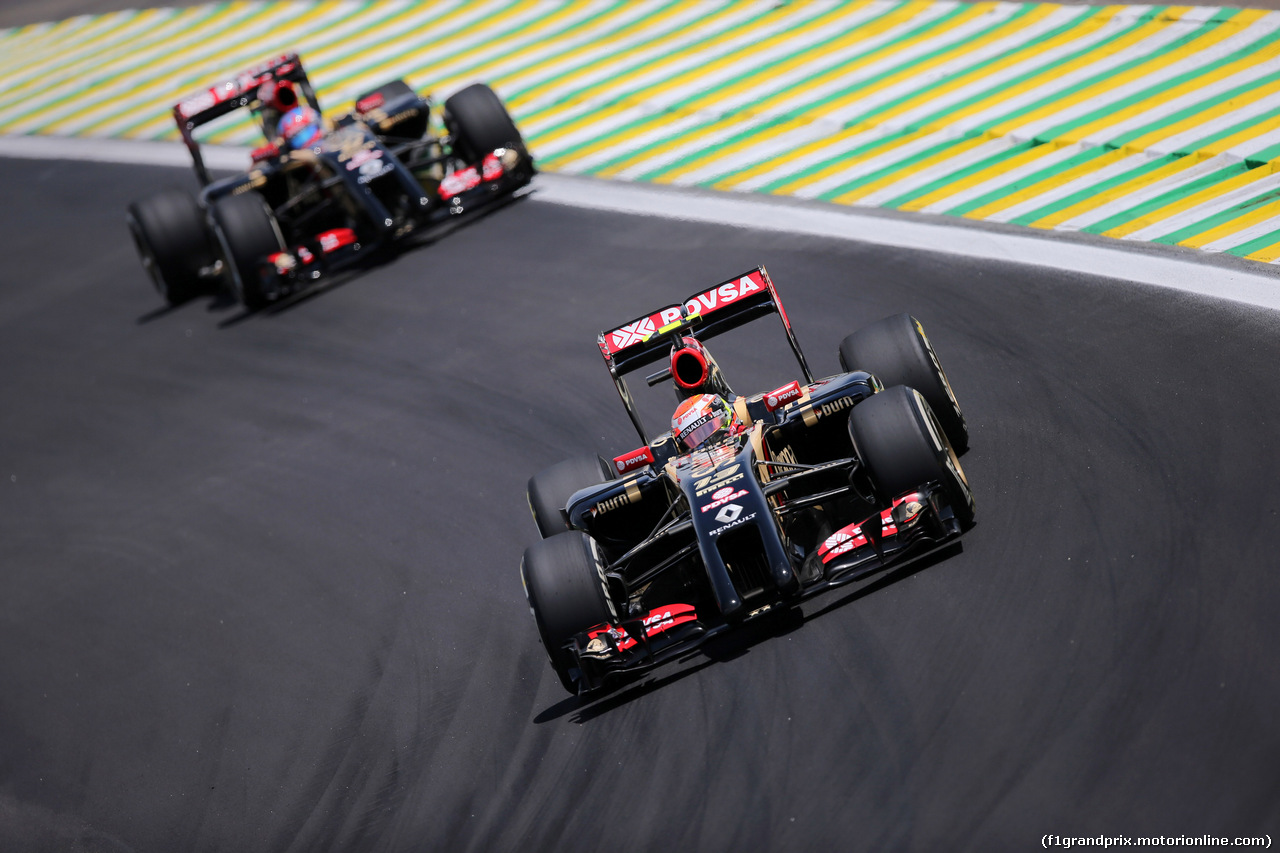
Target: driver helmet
[(703, 419), (300, 127)]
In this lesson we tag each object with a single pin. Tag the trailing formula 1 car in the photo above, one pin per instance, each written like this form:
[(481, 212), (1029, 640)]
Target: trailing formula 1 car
[(749, 504), (321, 198)]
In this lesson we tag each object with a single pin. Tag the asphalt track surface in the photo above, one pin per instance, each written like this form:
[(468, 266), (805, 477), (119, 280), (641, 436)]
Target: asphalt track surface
[(259, 588)]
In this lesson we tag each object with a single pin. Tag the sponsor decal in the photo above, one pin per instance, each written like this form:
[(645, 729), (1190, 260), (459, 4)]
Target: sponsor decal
[(659, 619), (491, 169), (738, 520), (228, 89), (634, 333), (197, 104), (336, 239), (459, 182), (373, 169), (722, 497), (369, 102), (628, 462), (888, 527), (304, 255), (723, 477), (842, 542), (700, 305), (361, 157), (779, 398), (630, 496), (348, 143), (729, 513), (725, 294), (264, 152), (836, 405)]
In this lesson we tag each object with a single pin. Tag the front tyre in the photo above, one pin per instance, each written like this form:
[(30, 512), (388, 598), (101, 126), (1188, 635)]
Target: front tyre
[(172, 239), (903, 446), (564, 581), (479, 122), (550, 489), (248, 233), (897, 351)]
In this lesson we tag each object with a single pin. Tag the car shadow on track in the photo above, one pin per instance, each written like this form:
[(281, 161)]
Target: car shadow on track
[(729, 646)]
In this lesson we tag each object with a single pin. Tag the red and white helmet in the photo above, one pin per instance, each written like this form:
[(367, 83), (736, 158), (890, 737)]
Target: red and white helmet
[(703, 419)]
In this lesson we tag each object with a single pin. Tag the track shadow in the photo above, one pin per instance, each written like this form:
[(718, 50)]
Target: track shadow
[(624, 689), (378, 258), (879, 581), (156, 314)]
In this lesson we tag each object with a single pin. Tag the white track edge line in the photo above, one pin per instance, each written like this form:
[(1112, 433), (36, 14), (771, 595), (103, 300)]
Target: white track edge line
[(1125, 261)]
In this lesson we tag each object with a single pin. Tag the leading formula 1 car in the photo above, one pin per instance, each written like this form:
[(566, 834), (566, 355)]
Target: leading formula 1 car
[(381, 174), (754, 502)]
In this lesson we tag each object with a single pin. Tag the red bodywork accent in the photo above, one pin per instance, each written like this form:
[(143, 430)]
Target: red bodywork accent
[(491, 169), (842, 542), (266, 152), (690, 349), (779, 398), (335, 239), (659, 619), (370, 102), (701, 304), (239, 85), (459, 182), (629, 462), (851, 537)]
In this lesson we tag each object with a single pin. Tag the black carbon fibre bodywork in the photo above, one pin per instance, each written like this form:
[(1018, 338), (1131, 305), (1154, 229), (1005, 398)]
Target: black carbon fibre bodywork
[(391, 170), (695, 544)]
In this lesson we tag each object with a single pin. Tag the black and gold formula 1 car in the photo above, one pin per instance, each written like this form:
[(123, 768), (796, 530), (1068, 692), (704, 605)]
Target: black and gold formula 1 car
[(786, 493), (372, 178)]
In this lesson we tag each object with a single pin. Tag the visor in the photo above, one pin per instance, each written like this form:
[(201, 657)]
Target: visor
[(702, 429)]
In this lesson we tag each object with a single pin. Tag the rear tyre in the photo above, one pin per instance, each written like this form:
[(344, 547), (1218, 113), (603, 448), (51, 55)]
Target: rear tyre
[(550, 489), (897, 351), (564, 580), (248, 233), (172, 239), (903, 446), (479, 122)]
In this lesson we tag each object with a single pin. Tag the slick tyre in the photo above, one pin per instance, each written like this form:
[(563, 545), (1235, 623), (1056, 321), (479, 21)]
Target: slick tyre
[(564, 580), (172, 239), (897, 351), (479, 122), (247, 232), (902, 445), (550, 489)]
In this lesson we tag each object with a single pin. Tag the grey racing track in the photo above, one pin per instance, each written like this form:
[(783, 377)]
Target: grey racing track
[(259, 588)]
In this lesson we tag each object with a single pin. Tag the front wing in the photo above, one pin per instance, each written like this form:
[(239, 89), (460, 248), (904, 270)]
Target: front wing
[(916, 525)]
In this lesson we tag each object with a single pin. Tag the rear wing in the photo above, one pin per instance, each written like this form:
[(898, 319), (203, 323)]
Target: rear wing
[(232, 94), (703, 315)]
